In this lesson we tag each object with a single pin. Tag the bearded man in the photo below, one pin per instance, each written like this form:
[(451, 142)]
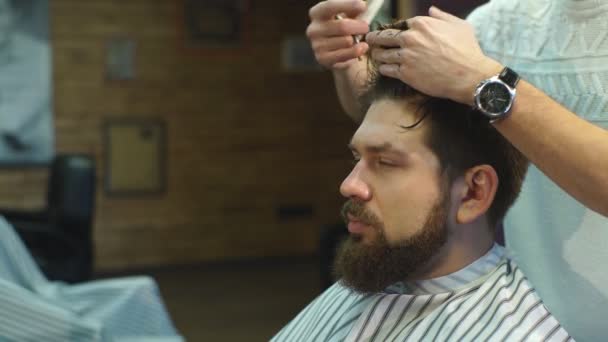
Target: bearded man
[(431, 180)]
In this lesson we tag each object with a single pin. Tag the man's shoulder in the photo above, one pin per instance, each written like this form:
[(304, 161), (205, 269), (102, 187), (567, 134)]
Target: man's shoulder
[(506, 306), (337, 289), (331, 314), (338, 298), (506, 279)]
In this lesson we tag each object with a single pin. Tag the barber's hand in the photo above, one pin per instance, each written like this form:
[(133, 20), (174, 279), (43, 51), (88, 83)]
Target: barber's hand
[(331, 39), (438, 55)]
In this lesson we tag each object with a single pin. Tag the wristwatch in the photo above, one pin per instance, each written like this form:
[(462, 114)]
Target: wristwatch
[(494, 97)]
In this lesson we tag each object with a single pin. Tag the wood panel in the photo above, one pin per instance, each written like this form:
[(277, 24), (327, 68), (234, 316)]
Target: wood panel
[(244, 138)]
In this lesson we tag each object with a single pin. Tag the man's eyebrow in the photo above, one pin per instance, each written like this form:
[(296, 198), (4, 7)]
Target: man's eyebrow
[(379, 148)]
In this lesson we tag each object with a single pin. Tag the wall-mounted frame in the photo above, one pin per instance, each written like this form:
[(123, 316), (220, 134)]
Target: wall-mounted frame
[(135, 157), (212, 25), (120, 59)]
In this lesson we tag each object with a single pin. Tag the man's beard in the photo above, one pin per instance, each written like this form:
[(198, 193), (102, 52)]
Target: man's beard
[(372, 267)]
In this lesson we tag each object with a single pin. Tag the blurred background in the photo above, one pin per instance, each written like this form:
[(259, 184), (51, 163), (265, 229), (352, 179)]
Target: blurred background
[(195, 141)]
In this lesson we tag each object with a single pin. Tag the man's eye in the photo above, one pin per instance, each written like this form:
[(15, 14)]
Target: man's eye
[(385, 162)]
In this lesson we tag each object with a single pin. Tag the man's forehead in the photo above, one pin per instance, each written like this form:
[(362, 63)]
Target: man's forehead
[(383, 125)]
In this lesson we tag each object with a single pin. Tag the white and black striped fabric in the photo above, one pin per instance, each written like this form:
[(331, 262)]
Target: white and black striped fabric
[(35, 309), (489, 300)]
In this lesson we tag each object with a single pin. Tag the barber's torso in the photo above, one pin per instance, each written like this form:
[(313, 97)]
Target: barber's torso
[(560, 46)]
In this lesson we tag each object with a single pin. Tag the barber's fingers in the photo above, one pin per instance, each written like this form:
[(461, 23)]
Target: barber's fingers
[(333, 28), (389, 56), (435, 12), (385, 38), (391, 70), (332, 58), (332, 43), (326, 10), (422, 23)]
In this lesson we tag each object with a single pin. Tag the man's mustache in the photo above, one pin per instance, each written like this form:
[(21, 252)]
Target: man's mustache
[(358, 211)]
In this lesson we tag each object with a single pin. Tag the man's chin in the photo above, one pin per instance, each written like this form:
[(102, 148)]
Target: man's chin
[(367, 264), (357, 264)]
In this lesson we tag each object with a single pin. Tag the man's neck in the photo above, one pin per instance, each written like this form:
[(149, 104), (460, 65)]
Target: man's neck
[(460, 251)]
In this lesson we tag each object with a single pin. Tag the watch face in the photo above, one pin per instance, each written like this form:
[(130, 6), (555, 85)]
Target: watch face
[(495, 98)]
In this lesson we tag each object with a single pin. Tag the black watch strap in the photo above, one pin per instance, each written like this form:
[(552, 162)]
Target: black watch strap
[(509, 76)]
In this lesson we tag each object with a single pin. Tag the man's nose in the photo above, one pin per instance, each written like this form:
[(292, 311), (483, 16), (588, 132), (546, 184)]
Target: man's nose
[(354, 186)]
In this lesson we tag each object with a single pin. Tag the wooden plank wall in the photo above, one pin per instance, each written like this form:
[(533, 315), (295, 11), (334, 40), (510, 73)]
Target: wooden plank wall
[(243, 137)]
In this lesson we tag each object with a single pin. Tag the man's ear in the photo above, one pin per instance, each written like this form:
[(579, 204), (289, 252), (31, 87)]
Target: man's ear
[(476, 192)]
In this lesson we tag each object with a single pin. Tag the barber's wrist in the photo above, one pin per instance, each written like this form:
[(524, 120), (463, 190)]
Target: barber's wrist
[(485, 69)]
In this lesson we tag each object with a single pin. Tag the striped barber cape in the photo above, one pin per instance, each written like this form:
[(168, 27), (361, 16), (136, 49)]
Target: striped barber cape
[(489, 300), (33, 309)]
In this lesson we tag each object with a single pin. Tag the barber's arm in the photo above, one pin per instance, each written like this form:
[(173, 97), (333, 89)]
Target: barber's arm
[(334, 47), (440, 56)]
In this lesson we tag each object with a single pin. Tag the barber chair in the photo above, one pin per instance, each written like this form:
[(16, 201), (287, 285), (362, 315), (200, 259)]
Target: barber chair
[(59, 237)]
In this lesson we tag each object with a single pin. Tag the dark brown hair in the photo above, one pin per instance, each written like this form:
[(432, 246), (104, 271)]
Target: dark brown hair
[(460, 136)]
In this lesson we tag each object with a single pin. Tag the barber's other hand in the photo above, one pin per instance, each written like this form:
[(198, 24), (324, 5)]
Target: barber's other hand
[(331, 39), (438, 55)]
